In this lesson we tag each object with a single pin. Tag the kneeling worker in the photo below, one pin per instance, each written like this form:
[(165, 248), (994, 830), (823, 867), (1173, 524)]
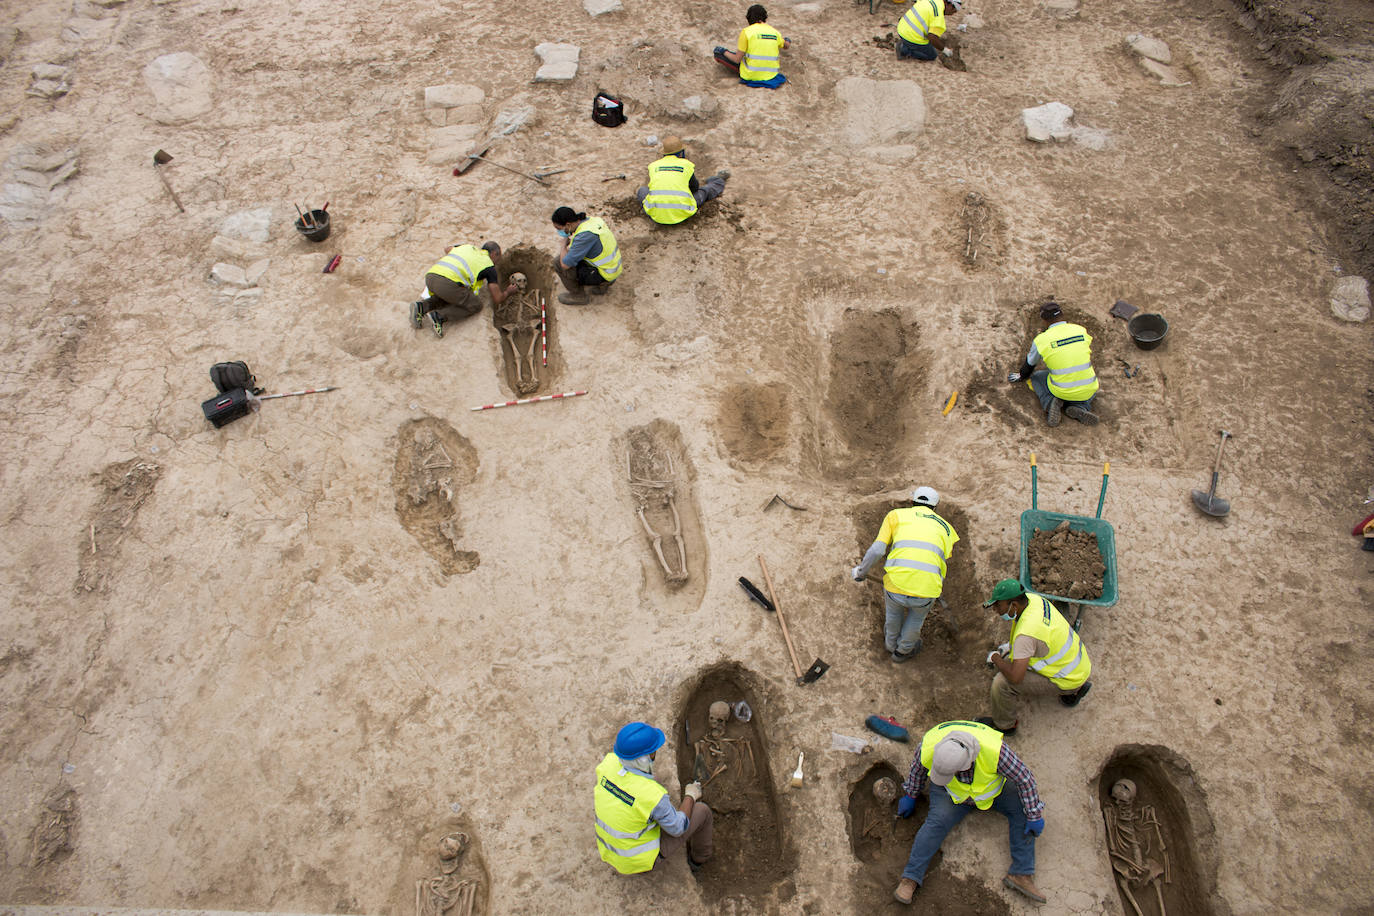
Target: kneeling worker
[(673, 194), (455, 282), (1042, 646), (968, 766), (920, 31), (633, 812), (589, 257), (760, 52), (1067, 384)]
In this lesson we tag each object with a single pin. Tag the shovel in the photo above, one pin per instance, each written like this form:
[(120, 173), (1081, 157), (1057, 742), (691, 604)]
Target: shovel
[(818, 667), (1208, 502), (162, 157)]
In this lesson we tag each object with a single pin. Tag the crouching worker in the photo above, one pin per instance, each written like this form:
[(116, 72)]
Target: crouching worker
[(589, 258), (453, 285), (636, 825)]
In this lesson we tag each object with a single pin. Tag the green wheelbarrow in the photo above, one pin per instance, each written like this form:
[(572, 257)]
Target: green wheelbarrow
[(1035, 518)]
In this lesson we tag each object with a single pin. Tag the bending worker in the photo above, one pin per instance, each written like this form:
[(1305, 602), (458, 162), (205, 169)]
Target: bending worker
[(920, 31), (969, 767), (1043, 647), (918, 544), (673, 194), (1067, 383), (760, 52), (589, 257), (456, 281), (633, 811)]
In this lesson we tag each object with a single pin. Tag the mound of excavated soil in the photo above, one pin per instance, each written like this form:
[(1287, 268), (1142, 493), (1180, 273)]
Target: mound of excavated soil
[(1065, 562)]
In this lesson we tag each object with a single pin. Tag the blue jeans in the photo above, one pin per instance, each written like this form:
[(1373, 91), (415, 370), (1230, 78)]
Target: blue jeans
[(1041, 386), (905, 617), (944, 814), (914, 51)]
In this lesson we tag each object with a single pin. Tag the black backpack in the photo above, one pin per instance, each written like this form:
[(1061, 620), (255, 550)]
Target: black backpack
[(228, 376), (607, 110)]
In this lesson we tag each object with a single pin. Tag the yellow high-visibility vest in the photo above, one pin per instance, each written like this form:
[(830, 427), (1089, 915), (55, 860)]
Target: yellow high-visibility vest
[(925, 18), (1066, 350), (987, 782), (624, 834), (462, 265), (762, 49), (918, 552), (608, 262), (1067, 664), (670, 197)]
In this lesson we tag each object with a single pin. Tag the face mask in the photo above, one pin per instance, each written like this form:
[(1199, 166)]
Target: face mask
[(562, 233), (1008, 616)]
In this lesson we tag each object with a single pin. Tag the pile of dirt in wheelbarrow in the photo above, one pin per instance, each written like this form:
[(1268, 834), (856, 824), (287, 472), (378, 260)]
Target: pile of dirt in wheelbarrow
[(1066, 563)]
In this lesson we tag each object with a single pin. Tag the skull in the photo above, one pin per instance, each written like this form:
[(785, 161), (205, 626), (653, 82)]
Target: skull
[(452, 846), (1124, 791), (519, 280), (885, 790), (719, 714)]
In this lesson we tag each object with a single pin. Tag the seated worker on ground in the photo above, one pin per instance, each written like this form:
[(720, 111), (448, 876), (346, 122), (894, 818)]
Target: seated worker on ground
[(760, 52), (673, 194), (920, 31), (453, 285), (589, 257), (1067, 384)]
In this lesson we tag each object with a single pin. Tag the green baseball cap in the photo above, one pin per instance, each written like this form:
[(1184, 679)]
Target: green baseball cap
[(1007, 588)]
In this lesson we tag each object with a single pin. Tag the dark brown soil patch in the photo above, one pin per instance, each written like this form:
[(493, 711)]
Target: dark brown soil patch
[(660, 480), (754, 420), (1066, 563), (979, 231), (517, 321), (124, 487), (57, 819), (1164, 783), (871, 377), (877, 836), (433, 464), (752, 858)]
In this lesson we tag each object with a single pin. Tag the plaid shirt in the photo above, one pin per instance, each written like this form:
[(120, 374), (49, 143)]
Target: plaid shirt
[(1008, 765)]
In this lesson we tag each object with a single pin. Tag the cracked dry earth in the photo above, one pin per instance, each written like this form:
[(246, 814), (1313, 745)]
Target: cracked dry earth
[(271, 666)]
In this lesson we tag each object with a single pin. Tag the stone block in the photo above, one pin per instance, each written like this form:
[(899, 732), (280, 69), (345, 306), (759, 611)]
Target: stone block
[(601, 7), (224, 248), (249, 225), (449, 144), (881, 112), (1048, 122), (1166, 75), (1062, 9), (560, 62), (512, 118), (181, 85), (228, 275), (80, 29), (1350, 299), (1149, 47), (256, 270), (453, 95)]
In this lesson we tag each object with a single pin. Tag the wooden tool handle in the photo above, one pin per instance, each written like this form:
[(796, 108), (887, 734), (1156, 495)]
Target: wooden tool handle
[(773, 596), (1216, 468)]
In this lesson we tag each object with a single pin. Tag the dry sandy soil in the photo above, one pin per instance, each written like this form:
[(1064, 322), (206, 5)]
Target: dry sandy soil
[(269, 666)]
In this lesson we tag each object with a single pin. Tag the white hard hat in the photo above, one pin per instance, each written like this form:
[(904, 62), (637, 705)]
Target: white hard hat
[(925, 496)]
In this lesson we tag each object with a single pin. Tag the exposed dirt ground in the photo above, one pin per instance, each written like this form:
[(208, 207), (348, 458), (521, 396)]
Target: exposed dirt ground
[(270, 666)]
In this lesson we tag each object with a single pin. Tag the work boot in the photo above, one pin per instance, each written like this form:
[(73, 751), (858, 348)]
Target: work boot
[(1071, 699), (900, 657), (906, 889), (694, 865), (600, 289), (1081, 414), (417, 313), (1052, 415), (1008, 732), (1024, 884), (578, 298), (438, 324)]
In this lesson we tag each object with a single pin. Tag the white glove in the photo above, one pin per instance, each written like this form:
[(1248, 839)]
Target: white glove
[(693, 791), (1004, 649), (949, 52), (857, 574), (990, 655), (1013, 377)]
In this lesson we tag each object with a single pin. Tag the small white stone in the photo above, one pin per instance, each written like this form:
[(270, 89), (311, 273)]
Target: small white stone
[(601, 7), (1048, 122), (560, 62), (1166, 75), (1149, 47), (250, 225), (452, 95), (1350, 299), (974, 21), (255, 271), (228, 275)]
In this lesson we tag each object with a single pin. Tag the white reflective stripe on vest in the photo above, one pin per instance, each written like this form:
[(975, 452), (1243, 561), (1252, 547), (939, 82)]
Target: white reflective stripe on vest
[(657, 205), (1068, 669), (613, 257), (924, 29), (459, 265), (622, 834), (751, 59), (914, 564), (991, 793), (922, 545), (1057, 374), (629, 853)]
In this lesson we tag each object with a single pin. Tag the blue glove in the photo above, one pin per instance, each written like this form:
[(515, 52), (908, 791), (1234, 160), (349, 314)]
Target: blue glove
[(907, 807), (1035, 827)]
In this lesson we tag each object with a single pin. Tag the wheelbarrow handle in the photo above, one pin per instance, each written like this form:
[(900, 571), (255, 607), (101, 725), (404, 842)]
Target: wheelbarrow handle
[(1106, 470), (1034, 488)]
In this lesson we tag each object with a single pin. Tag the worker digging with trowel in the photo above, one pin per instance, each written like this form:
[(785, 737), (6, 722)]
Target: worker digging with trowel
[(636, 825), (1067, 385), (920, 31), (673, 194), (1043, 655), (452, 286), (589, 258), (917, 543)]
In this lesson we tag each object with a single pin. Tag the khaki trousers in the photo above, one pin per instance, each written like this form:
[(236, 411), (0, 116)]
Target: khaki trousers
[(697, 836), (1005, 695)]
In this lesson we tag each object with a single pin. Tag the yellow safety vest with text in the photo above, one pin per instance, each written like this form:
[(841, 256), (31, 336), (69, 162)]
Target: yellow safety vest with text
[(624, 834), (1067, 664), (925, 18), (987, 782), (1066, 350), (608, 262), (917, 557), (462, 265), (670, 197), (762, 49)]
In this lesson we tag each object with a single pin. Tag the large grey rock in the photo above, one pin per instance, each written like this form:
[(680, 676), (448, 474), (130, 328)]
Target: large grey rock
[(1048, 122), (881, 112), (49, 81), (453, 95), (181, 85), (601, 7), (228, 275), (1350, 299), (560, 62), (248, 225), (1153, 48)]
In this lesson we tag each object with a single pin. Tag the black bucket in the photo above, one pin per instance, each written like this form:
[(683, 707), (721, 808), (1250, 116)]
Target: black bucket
[(317, 230), (1147, 330)]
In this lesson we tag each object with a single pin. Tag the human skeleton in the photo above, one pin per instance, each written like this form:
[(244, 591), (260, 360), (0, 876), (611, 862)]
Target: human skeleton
[(1132, 834)]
